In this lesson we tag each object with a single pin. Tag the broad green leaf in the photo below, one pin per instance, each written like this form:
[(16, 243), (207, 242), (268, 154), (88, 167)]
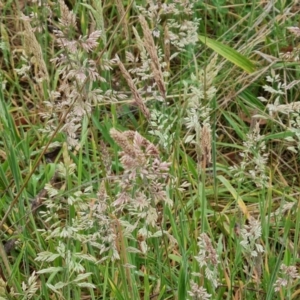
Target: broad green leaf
[(229, 54)]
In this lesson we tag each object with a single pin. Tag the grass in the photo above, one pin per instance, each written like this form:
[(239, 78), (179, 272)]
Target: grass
[(206, 188)]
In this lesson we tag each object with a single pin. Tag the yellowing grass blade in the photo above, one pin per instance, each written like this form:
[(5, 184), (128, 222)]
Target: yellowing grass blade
[(229, 54), (235, 195)]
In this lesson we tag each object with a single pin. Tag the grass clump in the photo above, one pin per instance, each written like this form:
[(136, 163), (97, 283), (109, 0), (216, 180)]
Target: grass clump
[(149, 150)]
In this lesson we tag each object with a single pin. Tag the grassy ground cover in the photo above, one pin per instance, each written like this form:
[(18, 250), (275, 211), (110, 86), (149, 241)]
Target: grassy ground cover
[(149, 149)]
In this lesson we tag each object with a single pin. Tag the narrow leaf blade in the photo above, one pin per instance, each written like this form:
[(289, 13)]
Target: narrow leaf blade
[(229, 54)]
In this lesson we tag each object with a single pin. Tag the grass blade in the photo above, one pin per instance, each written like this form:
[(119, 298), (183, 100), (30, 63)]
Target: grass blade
[(229, 54)]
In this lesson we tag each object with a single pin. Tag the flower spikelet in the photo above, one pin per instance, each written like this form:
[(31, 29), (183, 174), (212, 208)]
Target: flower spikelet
[(123, 142), (143, 182), (140, 141), (208, 258), (206, 145), (251, 234), (121, 12), (77, 72), (198, 292), (33, 48), (294, 30), (255, 158), (68, 18), (31, 287), (134, 90), (151, 48), (90, 43), (252, 248), (288, 275)]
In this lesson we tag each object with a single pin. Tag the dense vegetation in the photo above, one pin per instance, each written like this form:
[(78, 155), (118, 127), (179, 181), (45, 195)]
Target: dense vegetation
[(149, 149)]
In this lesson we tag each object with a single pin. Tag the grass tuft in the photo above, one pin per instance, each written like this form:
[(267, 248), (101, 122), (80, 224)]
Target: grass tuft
[(149, 150)]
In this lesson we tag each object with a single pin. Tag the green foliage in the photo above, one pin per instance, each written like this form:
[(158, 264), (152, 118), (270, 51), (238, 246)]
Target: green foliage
[(170, 172), (229, 54)]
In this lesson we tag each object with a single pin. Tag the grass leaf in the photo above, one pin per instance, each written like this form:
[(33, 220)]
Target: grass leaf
[(229, 54)]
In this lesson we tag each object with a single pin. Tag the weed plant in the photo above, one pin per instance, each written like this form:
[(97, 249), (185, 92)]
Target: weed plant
[(149, 149)]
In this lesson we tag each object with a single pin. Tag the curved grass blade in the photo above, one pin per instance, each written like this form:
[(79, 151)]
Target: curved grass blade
[(235, 195), (229, 54)]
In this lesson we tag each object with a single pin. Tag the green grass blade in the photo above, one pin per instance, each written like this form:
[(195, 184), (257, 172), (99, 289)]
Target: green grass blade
[(182, 281), (235, 195), (229, 54)]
